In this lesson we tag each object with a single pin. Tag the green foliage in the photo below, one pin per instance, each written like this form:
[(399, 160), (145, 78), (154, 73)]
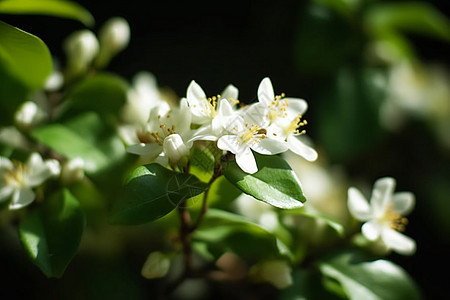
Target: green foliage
[(24, 56), (275, 183), (362, 278), (51, 233), (223, 231), (57, 8), (151, 192)]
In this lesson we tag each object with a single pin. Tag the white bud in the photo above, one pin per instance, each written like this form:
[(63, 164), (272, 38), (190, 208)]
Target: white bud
[(73, 170), (275, 272), (174, 148), (81, 48), (28, 115), (114, 37), (156, 266)]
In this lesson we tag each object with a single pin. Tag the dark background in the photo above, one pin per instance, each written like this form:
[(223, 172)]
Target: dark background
[(241, 42)]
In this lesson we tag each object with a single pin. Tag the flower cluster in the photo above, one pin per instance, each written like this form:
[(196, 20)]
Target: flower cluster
[(270, 126)]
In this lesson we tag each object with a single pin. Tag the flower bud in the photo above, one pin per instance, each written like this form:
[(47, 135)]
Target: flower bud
[(156, 266), (114, 37), (174, 148), (275, 272), (28, 115), (81, 48), (73, 170)]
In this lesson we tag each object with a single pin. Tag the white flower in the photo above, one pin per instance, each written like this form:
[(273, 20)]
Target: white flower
[(114, 36), (383, 216), (282, 117), (166, 134), (17, 180), (244, 138)]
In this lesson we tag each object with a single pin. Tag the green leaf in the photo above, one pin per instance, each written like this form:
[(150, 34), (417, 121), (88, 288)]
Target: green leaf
[(103, 93), (24, 56), (275, 183), (51, 234), (72, 145), (369, 279), (56, 8), (314, 214), (85, 136), (152, 192), (223, 231), (414, 16)]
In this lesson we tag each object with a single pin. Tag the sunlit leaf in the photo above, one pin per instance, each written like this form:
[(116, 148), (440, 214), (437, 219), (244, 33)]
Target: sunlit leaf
[(369, 279), (24, 56), (51, 234), (151, 192), (57, 8), (275, 183)]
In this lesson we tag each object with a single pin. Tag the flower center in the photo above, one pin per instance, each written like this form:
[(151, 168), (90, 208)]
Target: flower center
[(252, 134), (15, 177), (156, 136), (278, 108), (394, 219), (210, 105), (294, 126)]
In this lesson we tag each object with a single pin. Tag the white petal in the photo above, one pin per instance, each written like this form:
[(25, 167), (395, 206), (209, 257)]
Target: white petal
[(224, 107), (296, 106), (398, 242), (39, 171), (358, 205), (230, 143), (230, 92), (246, 161), (5, 192), (265, 91), (270, 146), (142, 149), (299, 148), (5, 163), (381, 195), (371, 230), (204, 133), (256, 113), (403, 202), (195, 93), (21, 198)]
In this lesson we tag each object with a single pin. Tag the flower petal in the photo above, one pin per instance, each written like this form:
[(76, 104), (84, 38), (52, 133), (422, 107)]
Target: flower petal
[(358, 205), (265, 91), (5, 192), (230, 92), (246, 161), (142, 149), (381, 195), (229, 143), (371, 230), (195, 93), (398, 242), (270, 146), (296, 106), (5, 163), (403, 202), (39, 171), (21, 198), (299, 148)]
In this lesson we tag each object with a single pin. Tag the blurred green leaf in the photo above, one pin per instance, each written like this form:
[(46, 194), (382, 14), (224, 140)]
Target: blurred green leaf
[(275, 183), (414, 16), (223, 231), (51, 234), (314, 214), (349, 113), (151, 192), (369, 279), (319, 27), (24, 56), (307, 285), (103, 93), (57, 8), (85, 136)]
